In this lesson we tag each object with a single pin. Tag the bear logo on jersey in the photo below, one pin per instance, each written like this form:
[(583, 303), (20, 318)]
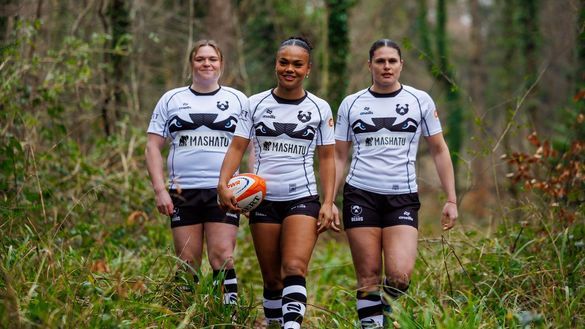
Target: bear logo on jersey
[(223, 106), (183, 140), (402, 110), (369, 141), (304, 117)]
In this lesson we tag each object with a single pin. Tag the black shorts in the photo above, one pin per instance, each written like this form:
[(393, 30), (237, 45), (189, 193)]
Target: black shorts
[(276, 211), (367, 209), (197, 206)]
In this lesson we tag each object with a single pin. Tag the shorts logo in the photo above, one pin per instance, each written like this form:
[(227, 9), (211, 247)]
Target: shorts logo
[(406, 216), (231, 214), (175, 216), (223, 106), (356, 211), (260, 214), (299, 206), (402, 110), (304, 117)]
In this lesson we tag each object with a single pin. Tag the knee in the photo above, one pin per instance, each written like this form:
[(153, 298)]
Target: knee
[(221, 257), (398, 277), (294, 267), (189, 259), (369, 280)]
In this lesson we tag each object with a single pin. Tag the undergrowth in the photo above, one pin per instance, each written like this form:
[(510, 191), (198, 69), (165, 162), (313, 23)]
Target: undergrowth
[(81, 245)]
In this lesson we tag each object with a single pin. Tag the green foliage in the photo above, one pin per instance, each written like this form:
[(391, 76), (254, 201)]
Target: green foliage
[(81, 244), (438, 63), (338, 48)]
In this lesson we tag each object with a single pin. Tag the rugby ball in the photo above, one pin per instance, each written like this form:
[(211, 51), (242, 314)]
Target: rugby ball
[(249, 190)]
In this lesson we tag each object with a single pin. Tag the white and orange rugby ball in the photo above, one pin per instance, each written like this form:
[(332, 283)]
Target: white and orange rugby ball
[(249, 190)]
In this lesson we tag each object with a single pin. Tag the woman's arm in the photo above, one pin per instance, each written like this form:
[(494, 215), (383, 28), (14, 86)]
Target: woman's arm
[(442, 158), (341, 153), (231, 162), (154, 163), (327, 176)]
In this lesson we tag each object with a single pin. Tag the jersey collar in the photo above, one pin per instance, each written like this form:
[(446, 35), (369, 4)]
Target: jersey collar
[(211, 93), (392, 94), (281, 100)]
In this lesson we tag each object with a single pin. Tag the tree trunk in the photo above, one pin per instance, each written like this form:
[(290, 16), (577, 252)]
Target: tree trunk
[(478, 198), (338, 50), (529, 37), (221, 28), (120, 23), (454, 121)]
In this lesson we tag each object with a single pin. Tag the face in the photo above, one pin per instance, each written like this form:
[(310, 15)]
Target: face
[(292, 66), (385, 67), (206, 65)]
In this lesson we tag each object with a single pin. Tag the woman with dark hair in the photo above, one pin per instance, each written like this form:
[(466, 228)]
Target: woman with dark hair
[(286, 124), (380, 200), (199, 120)]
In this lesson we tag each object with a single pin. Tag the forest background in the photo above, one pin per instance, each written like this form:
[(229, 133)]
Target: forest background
[(81, 243)]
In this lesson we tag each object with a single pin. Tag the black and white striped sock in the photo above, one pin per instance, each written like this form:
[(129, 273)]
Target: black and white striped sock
[(229, 286), (272, 304), (370, 309), (294, 301)]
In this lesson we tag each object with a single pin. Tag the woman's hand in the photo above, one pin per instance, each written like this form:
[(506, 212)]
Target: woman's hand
[(226, 199), (164, 204), (449, 215), (325, 217), (335, 223)]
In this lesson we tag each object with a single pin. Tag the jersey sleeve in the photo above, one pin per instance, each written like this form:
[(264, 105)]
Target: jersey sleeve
[(342, 131), (431, 123), (325, 135), (159, 118), (244, 126)]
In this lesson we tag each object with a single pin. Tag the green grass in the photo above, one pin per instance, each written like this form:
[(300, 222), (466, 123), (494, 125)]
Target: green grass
[(81, 246), (95, 274)]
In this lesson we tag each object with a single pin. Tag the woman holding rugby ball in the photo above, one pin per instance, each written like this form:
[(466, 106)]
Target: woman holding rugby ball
[(380, 201), (199, 121), (287, 124)]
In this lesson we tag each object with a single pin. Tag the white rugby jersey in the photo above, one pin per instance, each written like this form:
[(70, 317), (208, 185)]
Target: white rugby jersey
[(385, 130), (285, 134), (200, 127)]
